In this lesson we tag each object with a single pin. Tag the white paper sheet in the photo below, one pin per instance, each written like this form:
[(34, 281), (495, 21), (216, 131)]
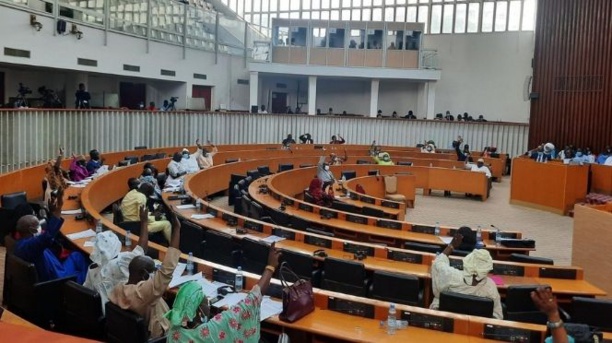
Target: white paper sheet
[(185, 278), (89, 244), (186, 207), (78, 185), (271, 239), (83, 234), (446, 240), (69, 212), (269, 308), (229, 231), (202, 216), (179, 270), (231, 299), (209, 288)]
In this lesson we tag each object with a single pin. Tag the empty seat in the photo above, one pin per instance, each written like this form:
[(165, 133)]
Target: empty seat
[(594, 312), (82, 311), (431, 248), (372, 212), (302, 265), (404, 163), (530, 259), (263, 170), (256, 211), (308, 198), (306, 165), (12, 200), (192, 237), (124, 326), (520, 307), (373, 172), (466, 304), (254, 256), (220, 248), (363, 161), (123, 163), (253, 174), (344, 276), (349, 174), (131, 159), (231, 160), (277, 217), (147, 157), (160, 155), (396, 288), (391, 189), (284, 167)]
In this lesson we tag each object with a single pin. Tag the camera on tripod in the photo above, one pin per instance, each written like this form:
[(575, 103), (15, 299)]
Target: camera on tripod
[(23, 90), (173, 99)]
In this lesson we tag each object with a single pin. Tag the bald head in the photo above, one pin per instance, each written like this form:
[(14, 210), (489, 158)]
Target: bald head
[(146, 189), (140, 267), (27, 225)]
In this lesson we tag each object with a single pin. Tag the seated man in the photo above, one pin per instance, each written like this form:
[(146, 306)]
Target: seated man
[(428, 149), (190, 161), (148, 177), (110, 264), (472, 280), (95, 162), (130, 208), (336, 160), (205, 159), (190, 312), (603, 156), (478, 167), (287, 142), (145, 286), (175, 168), (35, 246), (337, 139), (580, 157), (306, 138)]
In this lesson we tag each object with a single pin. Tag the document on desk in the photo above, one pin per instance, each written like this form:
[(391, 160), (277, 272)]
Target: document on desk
[(269, 308), (202, 216), (70, 212), (186, 207), (446, 240), (229, 231), (272, 238), (209, 288), (83, 234), (177, 281), (230, 300)]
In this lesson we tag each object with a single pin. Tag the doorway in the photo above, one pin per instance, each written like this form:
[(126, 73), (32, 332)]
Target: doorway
[(132, 94), (279, 102), (204, 92)]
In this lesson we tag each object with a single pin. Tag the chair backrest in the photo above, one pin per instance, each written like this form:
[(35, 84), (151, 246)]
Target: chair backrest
[(279, 217), (19, 280), (390, 184), (147, 157), (432, 248), (306, 165), (298, 223), (518, 298), (254, 174), (308, 198), (245, 205), (219, 248), (363, 162), (344, 276), (466, 304), (231, 160), (530, 259), (263, 170), (254, 255), (12, 200), (342, 206), (301, 264), (256, 211), (404, 163), (373, 172), (395, 288), (160, 155), (123, 163), (124, 326), (285, 166), (594, 312), (81, 311), (349, 174), (117, 214), (132, 159), (192, 237), (372, 212), (140, 147)]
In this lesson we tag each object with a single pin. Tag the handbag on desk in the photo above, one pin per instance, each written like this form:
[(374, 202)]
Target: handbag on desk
[(298, 298)]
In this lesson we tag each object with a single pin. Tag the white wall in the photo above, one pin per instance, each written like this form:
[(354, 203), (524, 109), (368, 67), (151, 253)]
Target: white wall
[(350, 95), (484, 74), (397, 95), (61, 52)]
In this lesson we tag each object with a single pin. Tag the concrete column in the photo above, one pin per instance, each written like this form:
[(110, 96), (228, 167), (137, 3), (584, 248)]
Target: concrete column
[(254, 90), (312, 95), (374, 97), (421, 109), (431, 99)]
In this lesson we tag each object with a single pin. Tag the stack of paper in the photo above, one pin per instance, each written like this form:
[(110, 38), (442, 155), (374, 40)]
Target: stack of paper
[(184, 278), (186, 207), (271, 239), (269, 308), (202, 216), (77, 211), (83, 234)]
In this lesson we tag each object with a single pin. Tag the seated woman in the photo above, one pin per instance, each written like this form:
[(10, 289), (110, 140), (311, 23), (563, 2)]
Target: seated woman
[(190, 315), (78, 169), (319, 196), (54, 176), (472, 280)]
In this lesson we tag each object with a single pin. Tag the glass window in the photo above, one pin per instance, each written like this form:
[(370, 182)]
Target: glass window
[(367, 3), (315, 15), (265, 21), (357, 39), (356, 3), (447, 24), (294, 15), (400, 2), (319, 37), (316, 4), (284, 15), (377, 14), (488, 8), (295, 5), (413, 40), (366, 14), (395, 40), (473, 13), (336, 38), (325, 15), (389, 2), (501, 15), (325, 4), (335, 15), (256, 5), (389, 15), (281, 36), (436, 18), (256, 19), (248, 18), (273, 5), (298, 36), (460, 18), (346, 3), (411, 15), (306, 15), (305, 4), (400, 14), (529, 15), (265, 6), (375, 39), (356, 15), (514, 16), (247, 6), (284, 5), (346, 14), (378, 2), (335, 4)]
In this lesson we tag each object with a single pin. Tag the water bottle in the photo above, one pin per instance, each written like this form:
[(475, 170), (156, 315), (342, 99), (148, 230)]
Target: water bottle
[(479, 243), (437, 229), (99, 227), (498, 237), (238, 282), (128, 240), (391, 324), (189, 266)]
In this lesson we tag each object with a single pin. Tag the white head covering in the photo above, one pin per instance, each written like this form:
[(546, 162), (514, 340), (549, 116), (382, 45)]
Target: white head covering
[(548, 147), (106, 248), (478, 262)]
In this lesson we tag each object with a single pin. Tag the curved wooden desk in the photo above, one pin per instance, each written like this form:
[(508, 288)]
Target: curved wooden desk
[(374, 186)]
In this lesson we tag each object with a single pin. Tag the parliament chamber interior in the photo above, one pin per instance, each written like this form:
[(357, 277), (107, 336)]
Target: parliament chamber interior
[(278, 196)]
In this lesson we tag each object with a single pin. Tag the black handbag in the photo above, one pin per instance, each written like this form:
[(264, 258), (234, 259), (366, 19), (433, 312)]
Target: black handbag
[(298, 298), (582, 333)]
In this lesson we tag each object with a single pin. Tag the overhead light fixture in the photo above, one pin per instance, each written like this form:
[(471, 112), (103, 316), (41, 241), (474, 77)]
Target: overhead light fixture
[(35, 24), (75, 31)]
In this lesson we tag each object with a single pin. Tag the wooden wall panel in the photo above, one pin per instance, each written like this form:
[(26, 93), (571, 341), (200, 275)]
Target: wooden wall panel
[(573, 74)]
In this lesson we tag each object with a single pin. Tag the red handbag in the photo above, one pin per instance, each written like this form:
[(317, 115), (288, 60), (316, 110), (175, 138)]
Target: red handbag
[(298, 298)]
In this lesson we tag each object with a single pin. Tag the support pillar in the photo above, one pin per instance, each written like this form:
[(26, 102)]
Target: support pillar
[(254, 90), (374, 97), (312, 95)]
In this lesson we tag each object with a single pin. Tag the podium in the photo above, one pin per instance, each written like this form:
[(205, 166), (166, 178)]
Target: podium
[(552, 186)]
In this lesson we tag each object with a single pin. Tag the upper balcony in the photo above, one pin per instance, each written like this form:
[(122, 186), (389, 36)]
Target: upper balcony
[(347, 43)]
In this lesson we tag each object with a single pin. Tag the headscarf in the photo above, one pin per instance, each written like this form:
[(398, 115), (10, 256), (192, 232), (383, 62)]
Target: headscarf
[(186, 304), (478, 263), (385, 156), (106, 248)]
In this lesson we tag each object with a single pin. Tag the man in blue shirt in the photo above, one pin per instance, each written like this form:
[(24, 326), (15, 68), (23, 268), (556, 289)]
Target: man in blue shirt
[(601, 159), (34, 246), (95, 162), (580, 157)]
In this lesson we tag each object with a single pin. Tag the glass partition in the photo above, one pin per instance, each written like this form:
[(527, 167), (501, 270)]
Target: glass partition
[(319, 37), (413, 40), (375, 39), (395, 40), (357, 39), (281, 36), (336, 38), (298, 36), (128, 16)]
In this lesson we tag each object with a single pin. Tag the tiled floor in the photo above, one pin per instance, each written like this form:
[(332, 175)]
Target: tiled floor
[(552, 232)]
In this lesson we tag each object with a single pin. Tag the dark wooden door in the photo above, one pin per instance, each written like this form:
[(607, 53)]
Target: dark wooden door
[(202, 92), (279, 102), (132, 94)]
